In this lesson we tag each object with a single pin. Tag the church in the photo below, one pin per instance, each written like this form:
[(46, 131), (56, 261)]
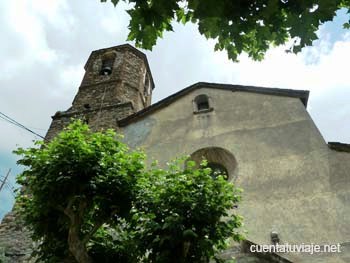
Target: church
[(296, 185)]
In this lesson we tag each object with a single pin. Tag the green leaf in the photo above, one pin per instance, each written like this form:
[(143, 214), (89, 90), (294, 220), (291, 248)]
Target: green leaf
[(115, 2)]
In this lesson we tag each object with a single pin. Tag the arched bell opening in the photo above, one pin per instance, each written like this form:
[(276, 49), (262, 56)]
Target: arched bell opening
[(107, 63)]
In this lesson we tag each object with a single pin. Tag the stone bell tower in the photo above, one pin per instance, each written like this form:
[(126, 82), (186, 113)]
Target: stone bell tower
[(117, 83)]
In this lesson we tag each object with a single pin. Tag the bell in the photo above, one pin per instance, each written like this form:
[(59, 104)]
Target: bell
[(106, 71)]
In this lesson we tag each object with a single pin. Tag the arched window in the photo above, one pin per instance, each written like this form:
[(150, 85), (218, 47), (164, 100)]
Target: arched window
[(220, 160), (201, 103)]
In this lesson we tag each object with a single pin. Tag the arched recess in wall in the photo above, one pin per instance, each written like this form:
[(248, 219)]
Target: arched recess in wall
[(217, 156)]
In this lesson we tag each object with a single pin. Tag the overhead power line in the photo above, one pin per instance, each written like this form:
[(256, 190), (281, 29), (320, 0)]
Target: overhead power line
[(10, 189), (3, 181), (5, 184), (16, 123)]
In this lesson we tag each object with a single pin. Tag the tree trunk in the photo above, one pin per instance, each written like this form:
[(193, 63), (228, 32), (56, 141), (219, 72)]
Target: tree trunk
[(76, 243), (76, 246)]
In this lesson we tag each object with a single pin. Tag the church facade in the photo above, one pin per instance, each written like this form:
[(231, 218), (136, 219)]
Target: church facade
[(296, 186)]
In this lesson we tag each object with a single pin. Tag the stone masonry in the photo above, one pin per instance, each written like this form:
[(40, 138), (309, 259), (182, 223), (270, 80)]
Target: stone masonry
[(15, 243)]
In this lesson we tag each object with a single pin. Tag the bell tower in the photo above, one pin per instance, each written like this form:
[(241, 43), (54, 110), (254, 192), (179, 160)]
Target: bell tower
[(117, 83)]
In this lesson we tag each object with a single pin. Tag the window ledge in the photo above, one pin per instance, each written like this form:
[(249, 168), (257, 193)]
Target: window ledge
[(203, 111)]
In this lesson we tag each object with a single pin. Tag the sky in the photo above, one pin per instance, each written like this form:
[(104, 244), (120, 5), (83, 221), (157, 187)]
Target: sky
[(45, 44)]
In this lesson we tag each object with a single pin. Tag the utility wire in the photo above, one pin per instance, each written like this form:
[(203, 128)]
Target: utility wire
[(8, 184), (16, 123), (3, 181), (10, 189), (5, 184)]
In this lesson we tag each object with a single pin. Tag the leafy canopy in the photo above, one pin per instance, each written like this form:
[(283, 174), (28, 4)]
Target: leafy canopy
[(236, 25), (184, 215), (88, 198), (73, 185)]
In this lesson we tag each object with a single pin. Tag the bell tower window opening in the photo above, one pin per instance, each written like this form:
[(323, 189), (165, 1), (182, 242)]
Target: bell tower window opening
[(107, 66)]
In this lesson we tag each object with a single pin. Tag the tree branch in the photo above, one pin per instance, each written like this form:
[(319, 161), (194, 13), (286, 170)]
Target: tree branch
[(97, 226), (68, 211), (87, 237)]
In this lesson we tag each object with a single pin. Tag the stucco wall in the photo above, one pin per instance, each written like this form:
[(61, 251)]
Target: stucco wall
[(283, 163)]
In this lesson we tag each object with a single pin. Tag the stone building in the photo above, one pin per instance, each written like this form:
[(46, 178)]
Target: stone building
[(296, 186)]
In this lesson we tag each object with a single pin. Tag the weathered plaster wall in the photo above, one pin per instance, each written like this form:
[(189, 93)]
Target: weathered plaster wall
[(290, 186), (339, 181)]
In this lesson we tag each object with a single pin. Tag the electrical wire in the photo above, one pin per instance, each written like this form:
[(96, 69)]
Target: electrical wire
[(5, 184), (10, 189), (16, 123), (8, 185)]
